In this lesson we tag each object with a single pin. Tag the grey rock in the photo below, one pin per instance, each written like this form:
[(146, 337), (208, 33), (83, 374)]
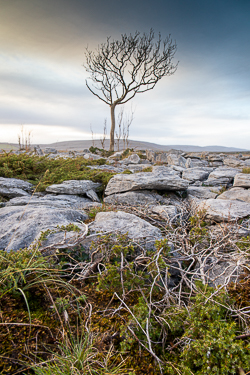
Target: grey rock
[(13, 187), (247, 163), (138, 167), (145, 180), (134, 198), (224, 172), (90, 156), (92, 195), (60, 201), (163, 158), (125, 223), (214, 158), (50, 150), (217, 182), (233, 162), (74, 187), (164, 211), (164, 170), (202, 192), (242, 180), (151, 155), (236, 193), (178, 160), (134, 159), (224, 210), (38, 150), (21, 226), (194, 174)]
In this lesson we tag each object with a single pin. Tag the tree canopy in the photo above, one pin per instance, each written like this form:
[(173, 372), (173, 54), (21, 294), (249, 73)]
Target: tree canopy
[(120, 69)]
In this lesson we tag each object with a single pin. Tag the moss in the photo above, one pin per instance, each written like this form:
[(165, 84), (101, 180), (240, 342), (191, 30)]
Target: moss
[(43, 171)]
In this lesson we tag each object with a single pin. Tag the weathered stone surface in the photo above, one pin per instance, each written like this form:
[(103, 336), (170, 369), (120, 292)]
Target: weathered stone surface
[(138, 167), (224, 210), (194, 174), (74, 187), (131, 159), (50, 150), (90, 156), (217, 182), (174, 159), (134, 198), (60, 201), (122, 222), (224, 172), (196, 163), (202, 192), (21, 226), (164, 170), (145, 180), (12, 187), (151, 155), (242, 180), (163, 158), (236, 193), (165, 212), (233, 162)]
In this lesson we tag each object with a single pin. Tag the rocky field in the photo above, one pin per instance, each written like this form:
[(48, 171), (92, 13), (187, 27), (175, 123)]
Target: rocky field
[(130, 263)]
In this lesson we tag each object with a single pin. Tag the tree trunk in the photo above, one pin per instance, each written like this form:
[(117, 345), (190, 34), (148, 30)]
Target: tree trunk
[(112, 129)]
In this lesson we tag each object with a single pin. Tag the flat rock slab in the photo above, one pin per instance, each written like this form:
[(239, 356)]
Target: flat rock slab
[(125, 223), (224, 210), (20, 226), (224, 172), (242, 180), (76, 187), (194, 174), (236, 193), (13, 187), (60, 201), (145, 180), (202, 192), (134, 198)]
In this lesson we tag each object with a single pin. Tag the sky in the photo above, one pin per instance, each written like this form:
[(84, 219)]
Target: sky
[(42, 77)]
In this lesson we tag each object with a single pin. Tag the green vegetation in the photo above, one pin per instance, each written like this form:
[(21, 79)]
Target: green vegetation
[(246, 170), (64, 321), (43, 171), (114, 307)]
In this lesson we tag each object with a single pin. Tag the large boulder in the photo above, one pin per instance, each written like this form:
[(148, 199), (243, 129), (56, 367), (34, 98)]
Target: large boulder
[(158, 180), (76, 187), (242, 180), (13, 187), (122, 222), (220, 210), (21, 226)]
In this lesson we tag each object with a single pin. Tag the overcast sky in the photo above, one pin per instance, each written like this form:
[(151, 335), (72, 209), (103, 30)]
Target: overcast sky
[(42, 78)]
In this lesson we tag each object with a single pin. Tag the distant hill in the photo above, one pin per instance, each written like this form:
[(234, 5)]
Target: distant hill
[(80, 145)]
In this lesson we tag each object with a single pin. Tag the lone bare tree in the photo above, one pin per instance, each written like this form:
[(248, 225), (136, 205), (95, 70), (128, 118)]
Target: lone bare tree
[(122, 68)]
